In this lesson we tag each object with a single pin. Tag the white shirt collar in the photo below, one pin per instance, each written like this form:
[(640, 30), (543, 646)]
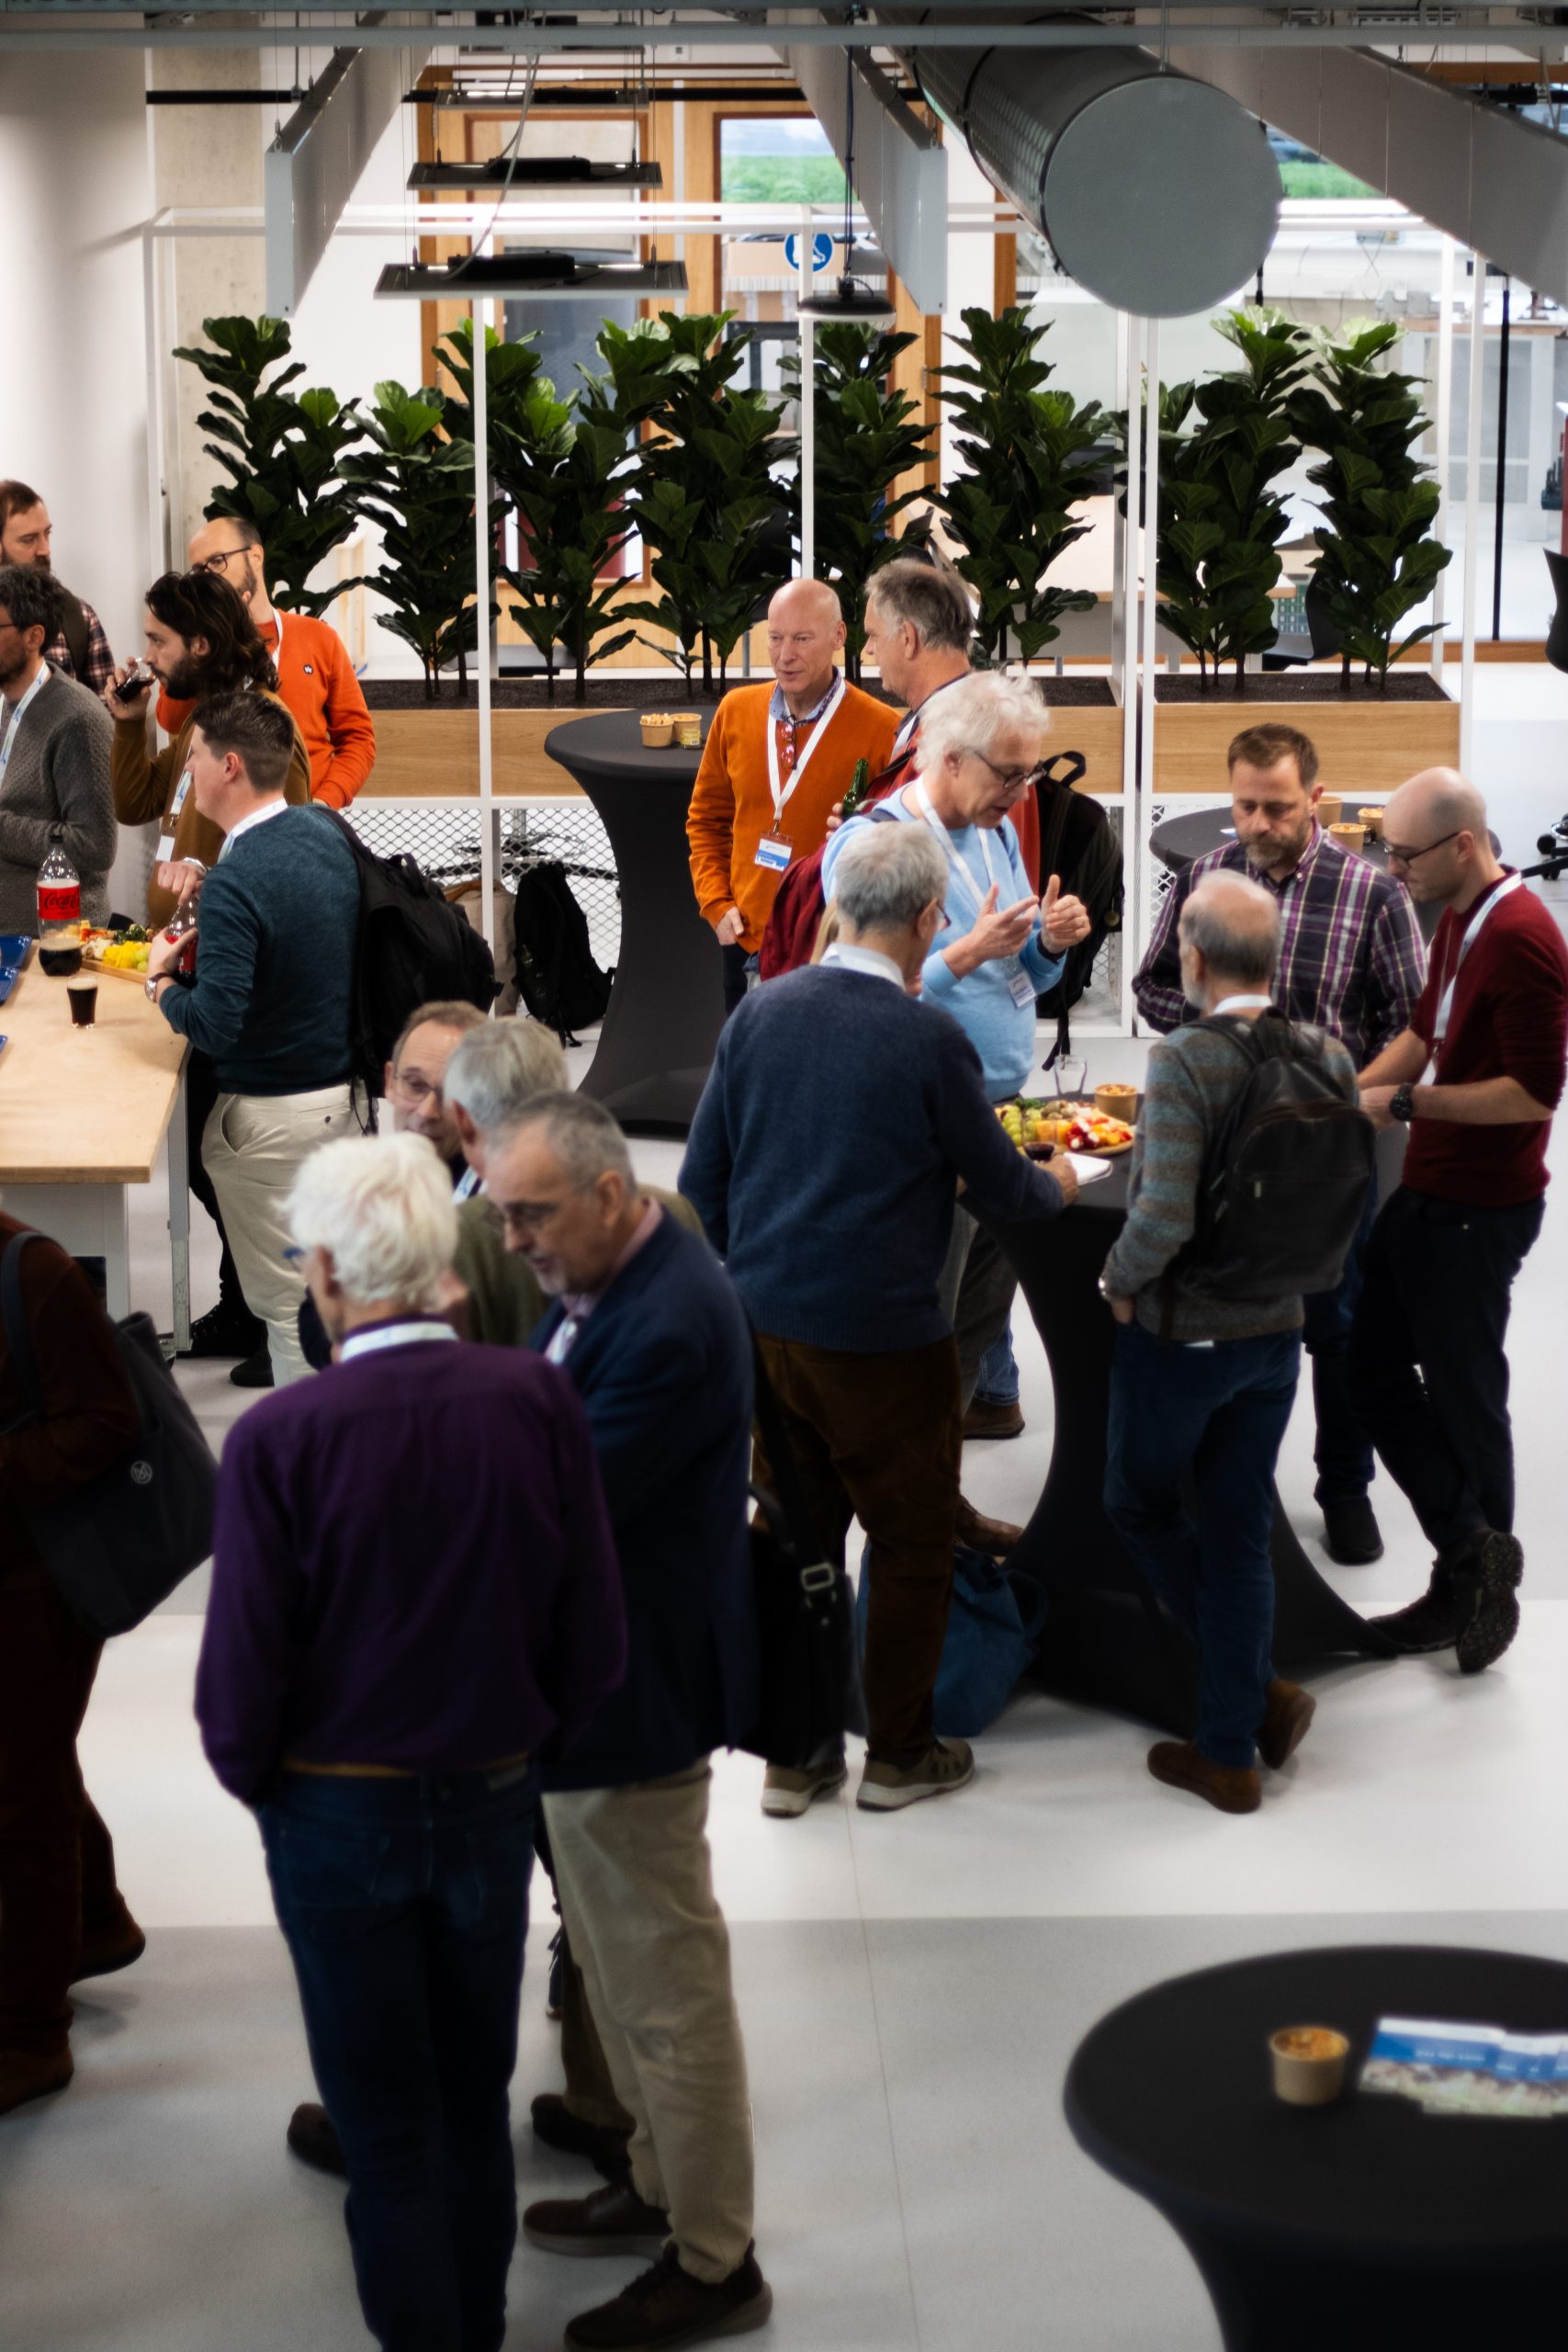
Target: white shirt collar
[(256, 817), (869, 960), (373, 1336)]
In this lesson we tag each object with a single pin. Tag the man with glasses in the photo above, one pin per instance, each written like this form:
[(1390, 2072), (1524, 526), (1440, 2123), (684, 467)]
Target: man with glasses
[(1475, 1076), (415, 1076), (54, 759), (78, 646), (776, 761), (315, 676), (1351, 962), (977, 753)]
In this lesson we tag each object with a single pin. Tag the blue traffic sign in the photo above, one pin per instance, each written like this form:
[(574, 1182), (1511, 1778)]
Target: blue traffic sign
[(822, 249)]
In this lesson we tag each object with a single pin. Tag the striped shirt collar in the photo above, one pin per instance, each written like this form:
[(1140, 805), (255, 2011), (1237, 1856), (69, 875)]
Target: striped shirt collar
[(780, 713)]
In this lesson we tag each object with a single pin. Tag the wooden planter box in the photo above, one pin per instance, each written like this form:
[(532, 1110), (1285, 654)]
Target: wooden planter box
[(1366, 745), (434, 755)]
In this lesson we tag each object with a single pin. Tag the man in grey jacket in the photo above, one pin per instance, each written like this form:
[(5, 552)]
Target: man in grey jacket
[(54, 759)]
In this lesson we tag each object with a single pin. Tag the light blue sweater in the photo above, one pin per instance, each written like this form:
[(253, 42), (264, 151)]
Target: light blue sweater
[(1001, 1032)]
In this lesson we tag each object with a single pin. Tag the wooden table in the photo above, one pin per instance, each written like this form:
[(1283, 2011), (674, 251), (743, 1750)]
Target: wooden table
[(83, 1114)]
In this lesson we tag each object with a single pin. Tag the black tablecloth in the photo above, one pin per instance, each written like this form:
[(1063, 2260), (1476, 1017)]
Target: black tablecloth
[(1358, 2226), (667, 1006), (1104, 1639), (1181, 839)]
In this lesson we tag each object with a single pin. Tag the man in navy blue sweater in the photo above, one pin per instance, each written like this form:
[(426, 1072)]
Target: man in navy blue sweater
[(653, 1338), (269, 1001), (825, 1158)]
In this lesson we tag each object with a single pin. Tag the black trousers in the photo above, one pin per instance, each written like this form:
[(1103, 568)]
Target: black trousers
[(201, 1093), (1430, 1373), (738, 964)]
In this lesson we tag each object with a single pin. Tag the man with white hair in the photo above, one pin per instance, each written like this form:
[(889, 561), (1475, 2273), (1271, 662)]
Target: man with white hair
[(416, 1600), (776, 761), (837, 1123), (1000, 946), (1476, 1078), (1202, 1385)]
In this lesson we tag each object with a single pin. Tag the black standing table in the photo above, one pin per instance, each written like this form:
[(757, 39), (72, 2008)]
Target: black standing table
[(1180, 840), (1362, 2227), (666, 1008), (1105, 1640)]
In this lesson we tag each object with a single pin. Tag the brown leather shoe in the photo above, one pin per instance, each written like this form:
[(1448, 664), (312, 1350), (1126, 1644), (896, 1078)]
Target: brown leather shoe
[(114, 1948), (1229, 1788), (667, 2307), (994, 1421), (314, 2140), (612, 2219), (1286, 1721), (997, 1536), (33, 2074)]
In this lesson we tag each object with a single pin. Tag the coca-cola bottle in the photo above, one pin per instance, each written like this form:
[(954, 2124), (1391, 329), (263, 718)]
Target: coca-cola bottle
[(58, 889)]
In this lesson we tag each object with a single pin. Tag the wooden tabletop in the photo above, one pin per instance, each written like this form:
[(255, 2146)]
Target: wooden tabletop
[(88, 1106)]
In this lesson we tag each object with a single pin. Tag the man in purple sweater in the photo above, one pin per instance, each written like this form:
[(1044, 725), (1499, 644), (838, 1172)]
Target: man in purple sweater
[(415, 1597)]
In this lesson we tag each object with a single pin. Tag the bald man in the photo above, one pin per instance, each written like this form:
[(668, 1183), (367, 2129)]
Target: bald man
[(1475, 1078), (1201, 1386), (776, 761)]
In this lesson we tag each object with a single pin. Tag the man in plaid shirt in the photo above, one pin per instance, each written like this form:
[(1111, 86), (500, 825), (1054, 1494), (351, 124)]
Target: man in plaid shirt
[(79, 649), (1351, 960)]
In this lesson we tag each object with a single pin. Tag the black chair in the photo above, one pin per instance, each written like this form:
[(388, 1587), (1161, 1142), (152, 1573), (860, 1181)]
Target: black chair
[(1557, 635), (1321, 640)]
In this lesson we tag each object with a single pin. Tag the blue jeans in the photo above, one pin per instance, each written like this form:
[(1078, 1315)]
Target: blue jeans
[(1205, 1422), (998, 1383), (405, 1904), (1344, 1450)]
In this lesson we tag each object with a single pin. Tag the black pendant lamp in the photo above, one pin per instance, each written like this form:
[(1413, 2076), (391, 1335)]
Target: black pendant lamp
[(850, 297)]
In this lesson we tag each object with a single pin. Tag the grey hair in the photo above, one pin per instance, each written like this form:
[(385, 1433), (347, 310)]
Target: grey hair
[(496, 1071), (928, 598), (581, 1133), (888, 874), (971, 716), (1234, 925), (382, 1204)]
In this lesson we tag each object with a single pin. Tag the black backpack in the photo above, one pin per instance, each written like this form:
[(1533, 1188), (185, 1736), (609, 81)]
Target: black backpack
[(1285, 1180), (1078, 843), (556, 977), (412, 948), (119, 1545)]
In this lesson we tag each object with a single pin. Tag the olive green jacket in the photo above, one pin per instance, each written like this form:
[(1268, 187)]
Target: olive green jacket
[(504, 1300)]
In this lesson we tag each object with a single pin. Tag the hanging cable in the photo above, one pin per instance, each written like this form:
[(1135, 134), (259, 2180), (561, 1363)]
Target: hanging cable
[(477, 244)]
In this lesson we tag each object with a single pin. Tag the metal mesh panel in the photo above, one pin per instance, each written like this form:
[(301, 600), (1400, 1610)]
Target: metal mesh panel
[(444, 840)]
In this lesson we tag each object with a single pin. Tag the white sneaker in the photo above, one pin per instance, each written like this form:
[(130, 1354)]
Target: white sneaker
[(787, 1793), (883, 1787)]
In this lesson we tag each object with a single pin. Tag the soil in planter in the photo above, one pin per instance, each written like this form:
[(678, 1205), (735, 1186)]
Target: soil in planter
[(608, 691), (1309, 685)]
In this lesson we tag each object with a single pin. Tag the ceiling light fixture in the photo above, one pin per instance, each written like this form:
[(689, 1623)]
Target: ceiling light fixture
[(531, 172), (850, 299), (537, 276)]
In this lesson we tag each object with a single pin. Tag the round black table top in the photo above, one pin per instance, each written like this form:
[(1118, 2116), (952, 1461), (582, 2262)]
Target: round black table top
[(1181, 839), (609, 744), (1172, 2094)]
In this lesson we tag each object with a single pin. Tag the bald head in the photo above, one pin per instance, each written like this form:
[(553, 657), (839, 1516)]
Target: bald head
[(805, 630), (1441, 817), (1230, 939)]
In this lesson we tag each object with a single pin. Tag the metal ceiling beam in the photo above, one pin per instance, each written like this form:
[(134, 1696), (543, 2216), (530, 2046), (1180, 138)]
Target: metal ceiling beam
[(46, 33), (313, 166)]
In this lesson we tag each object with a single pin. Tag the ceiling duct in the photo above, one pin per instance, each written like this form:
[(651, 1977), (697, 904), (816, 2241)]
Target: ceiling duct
[(1155, 198)]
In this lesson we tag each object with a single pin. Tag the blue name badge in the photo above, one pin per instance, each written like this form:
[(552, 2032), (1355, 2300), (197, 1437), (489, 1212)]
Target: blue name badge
[(774, 851)]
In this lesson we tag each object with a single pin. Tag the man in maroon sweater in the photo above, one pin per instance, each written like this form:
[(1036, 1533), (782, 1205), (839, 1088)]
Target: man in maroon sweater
[(62, 1913), (1476, 1076)]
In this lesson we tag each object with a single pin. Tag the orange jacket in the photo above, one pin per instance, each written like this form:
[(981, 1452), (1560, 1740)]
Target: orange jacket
[(316, 683), (731, 807)]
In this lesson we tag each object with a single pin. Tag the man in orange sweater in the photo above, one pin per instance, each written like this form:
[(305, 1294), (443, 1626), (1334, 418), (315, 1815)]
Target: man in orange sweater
[(315, 676), (776, 762)]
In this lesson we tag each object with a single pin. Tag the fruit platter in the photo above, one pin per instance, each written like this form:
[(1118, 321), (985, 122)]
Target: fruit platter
[(124, 951), (1068, 1125)]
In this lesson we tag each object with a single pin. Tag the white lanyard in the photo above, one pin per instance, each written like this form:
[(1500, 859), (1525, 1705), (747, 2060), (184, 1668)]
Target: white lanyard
[(392, 1335), (1445, 1002), (781, 794), (939, 830), (910, 726), (18, 715)]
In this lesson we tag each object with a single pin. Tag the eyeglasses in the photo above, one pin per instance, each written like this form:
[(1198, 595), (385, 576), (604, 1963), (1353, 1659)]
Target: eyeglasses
[(217, 562), (1398, 856), (1010, 779), (415, 1088), (527, 1216)]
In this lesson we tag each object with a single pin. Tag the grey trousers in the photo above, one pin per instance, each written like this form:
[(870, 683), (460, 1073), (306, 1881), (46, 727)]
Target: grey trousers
[(975, 1292)]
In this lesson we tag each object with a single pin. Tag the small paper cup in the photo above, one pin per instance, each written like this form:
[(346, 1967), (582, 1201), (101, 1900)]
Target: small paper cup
[(688, 729), (1328, 808), (658, 732), (1372, 822), (1348, 836), (1117, 1101), (1309, 2063)]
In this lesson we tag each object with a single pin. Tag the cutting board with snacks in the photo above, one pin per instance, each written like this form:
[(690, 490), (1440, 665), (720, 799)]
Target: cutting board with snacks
[(1069, 1125)]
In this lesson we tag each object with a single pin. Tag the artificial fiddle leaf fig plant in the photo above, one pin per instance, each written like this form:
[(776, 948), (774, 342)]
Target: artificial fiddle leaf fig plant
[(1030, 457), (1224, 444), (1378, 559), (417, 483), (865, 442), (283, 452)]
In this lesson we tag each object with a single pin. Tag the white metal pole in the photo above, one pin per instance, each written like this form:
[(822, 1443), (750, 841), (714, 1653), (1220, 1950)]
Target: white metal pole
[(476, 309), (1124, 639), (808, 407), (1472, 508), (1444, 429), (1149, 665)]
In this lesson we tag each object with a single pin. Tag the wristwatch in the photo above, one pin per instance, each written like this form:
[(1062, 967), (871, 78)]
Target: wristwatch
[(150, 985), (1401, 1103)]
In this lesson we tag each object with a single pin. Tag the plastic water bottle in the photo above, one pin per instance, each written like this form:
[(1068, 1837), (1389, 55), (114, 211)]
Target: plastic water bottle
[(58, 889)]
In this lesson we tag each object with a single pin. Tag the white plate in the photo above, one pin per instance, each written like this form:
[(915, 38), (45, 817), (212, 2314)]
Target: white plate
[(1089, 1166)]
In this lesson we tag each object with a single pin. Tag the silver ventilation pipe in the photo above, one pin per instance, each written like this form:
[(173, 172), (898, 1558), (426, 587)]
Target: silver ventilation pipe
[(1156, 193)]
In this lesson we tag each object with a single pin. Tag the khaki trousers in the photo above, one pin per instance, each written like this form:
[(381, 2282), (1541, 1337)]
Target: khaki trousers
[(252, 1147), (635, 1879)]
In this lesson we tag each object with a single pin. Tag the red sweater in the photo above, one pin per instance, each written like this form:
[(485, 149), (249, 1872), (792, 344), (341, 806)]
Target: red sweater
[(1509, 1019)]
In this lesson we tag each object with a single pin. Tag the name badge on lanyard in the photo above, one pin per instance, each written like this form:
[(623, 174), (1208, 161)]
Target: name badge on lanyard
[(1020, 988), (776, 848), (165, 849)]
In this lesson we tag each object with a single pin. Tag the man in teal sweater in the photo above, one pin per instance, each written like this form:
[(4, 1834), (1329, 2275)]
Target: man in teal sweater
[(270, 998)]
